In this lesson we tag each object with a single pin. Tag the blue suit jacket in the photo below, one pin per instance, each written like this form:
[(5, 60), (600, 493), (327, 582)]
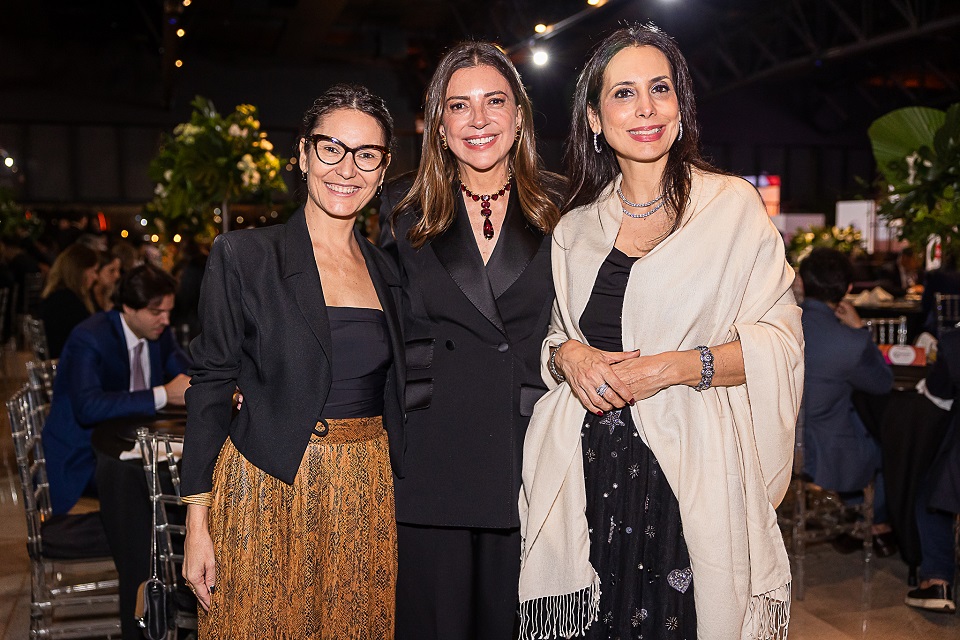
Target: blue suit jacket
[(840, 454), (92, 382)]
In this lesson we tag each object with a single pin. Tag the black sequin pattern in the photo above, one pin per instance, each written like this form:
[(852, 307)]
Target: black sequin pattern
[(636, 537)]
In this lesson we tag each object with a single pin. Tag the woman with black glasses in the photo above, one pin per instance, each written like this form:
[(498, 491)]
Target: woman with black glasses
[(290, 524)]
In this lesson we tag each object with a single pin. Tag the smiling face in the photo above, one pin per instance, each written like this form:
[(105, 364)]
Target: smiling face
[(639, 115), (480, 118), (341, 190)]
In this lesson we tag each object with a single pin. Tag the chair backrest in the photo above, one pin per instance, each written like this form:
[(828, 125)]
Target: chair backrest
[(27, 415), (36, 337), (160, 450), (948, 310), (40, 375), (888, 330)]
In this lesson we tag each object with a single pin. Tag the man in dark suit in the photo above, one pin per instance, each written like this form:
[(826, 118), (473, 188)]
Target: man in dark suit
[(121, 363), (938, 492), (840, 454)]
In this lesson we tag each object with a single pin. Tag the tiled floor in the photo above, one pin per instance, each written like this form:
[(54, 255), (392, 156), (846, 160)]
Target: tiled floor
[(837, 605)]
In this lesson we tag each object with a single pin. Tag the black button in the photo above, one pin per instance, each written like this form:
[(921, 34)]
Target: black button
[(451, 345), (503, 347), (322, 428)]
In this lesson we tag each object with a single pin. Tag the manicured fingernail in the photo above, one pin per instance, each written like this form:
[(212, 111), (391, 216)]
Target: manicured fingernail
[(633, 401), (599, 413), (213, 588)]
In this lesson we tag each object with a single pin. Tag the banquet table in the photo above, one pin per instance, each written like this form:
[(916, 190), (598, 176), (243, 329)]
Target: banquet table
[(908, 307), (125, 503), (910, 429)]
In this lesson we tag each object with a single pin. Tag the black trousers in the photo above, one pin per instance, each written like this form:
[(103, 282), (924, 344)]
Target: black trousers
[(457, 583)]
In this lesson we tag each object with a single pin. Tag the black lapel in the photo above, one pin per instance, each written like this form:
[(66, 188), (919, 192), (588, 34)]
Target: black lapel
[(299, 263), (518, 244), (458, 253), (387, 285)]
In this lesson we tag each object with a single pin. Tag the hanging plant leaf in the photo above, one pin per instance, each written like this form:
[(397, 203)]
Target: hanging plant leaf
[(899, 134)]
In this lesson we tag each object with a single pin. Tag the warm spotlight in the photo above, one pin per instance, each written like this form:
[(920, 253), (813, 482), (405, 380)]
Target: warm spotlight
[(540, 57), (186, 3), (178, 63), (540, 28), (176, 237), (154, 238), (8, 161), (181, 33), (124, 233)]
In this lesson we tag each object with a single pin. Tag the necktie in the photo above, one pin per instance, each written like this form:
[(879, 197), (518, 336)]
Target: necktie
[(139, 384)]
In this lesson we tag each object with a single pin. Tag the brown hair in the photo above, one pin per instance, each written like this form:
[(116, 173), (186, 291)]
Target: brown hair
[(590, 172), (67, 272), (431, 192)]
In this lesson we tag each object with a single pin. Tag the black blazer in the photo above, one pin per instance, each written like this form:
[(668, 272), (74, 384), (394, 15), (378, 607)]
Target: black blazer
[(61, 311), (265, 330), (473, 337)]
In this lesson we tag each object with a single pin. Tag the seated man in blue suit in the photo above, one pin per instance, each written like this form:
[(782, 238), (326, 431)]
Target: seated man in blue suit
[(121, 363), (840, 358)]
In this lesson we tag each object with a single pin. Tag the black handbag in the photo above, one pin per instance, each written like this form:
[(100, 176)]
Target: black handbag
[(153, 610)]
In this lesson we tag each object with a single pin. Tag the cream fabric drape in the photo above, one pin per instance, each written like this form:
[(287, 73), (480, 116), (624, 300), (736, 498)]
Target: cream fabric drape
[(726, 452)]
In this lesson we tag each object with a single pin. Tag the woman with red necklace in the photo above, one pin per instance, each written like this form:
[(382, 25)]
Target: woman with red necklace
[(470, 234)]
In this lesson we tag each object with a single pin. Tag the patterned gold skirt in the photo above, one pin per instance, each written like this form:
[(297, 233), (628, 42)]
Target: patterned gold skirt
[(315, 560)]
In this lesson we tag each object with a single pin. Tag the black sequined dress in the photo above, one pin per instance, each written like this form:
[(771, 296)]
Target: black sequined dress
[(636, 538)]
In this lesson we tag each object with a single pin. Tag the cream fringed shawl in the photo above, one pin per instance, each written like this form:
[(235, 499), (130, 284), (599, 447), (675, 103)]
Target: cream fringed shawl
[(726, 452)]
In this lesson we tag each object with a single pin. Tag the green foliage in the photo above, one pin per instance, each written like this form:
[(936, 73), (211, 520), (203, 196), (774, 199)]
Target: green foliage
[(210, 160), (14, 221), (845, 240), (918, 154)]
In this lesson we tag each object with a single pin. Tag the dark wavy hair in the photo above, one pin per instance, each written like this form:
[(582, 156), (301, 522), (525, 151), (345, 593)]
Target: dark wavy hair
[(431, 193), (590, 172), (142, 285), (826, 275)]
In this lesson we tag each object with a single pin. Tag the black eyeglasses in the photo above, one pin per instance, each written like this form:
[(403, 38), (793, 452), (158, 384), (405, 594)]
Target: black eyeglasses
[(368, 157)]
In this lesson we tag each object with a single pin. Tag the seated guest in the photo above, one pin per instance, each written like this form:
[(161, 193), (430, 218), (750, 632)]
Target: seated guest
[(66, 300), (840, 454), (108, 274), (945, 280), (938, 494), (121, 363)]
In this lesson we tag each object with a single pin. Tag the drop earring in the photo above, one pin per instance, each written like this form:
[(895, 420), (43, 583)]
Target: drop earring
[(596, 143), (680, 135), (443, 141), (303, 176)]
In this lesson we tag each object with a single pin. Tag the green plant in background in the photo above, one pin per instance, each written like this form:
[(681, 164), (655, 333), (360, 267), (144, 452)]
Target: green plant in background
[(207, 163), (917, 150), (14, 221), (845, 240)]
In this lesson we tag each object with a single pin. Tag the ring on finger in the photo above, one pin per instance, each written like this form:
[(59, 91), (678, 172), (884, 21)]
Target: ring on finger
[(602, 389)]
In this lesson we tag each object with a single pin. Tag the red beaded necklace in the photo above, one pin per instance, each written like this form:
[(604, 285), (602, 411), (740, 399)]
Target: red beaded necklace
[(484, 201)]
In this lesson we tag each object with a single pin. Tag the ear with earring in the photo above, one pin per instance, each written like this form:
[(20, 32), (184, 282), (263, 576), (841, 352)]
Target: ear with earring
[(518, 132), (379, 189), (303, 176), (596, 142)]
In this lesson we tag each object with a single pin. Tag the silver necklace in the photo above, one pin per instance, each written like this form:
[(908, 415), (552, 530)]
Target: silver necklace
[(636, 205), (640, 205)]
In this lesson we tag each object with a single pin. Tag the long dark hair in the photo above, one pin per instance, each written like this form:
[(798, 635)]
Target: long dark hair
[(590, 172), (431, 193)]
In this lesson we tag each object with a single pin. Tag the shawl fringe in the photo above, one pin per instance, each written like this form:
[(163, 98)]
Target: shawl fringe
[(563, 616), (770, 614)]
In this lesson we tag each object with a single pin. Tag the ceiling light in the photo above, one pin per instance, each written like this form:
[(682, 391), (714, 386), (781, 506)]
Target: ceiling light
[(186, 3), (540, 57), (8, 161), (181, 33), (178, 63), (540, 28)]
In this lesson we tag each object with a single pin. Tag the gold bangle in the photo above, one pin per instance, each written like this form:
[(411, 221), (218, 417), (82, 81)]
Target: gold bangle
[(202, 499)]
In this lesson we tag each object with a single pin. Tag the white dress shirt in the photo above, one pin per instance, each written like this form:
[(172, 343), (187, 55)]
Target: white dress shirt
[(159, 393)]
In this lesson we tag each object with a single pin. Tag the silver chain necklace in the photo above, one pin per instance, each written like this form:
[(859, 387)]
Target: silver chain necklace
[(640, 205)]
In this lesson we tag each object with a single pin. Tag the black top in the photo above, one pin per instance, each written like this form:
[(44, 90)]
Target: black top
[(602, 319), (361, 358), (61, 311), (266, 330)]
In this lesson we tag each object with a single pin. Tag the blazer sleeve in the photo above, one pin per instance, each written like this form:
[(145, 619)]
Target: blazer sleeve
[(872, 374), (216, 368), (91, 402)]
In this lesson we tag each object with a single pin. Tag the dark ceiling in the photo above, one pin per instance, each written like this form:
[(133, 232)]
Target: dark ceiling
[(833, 63)]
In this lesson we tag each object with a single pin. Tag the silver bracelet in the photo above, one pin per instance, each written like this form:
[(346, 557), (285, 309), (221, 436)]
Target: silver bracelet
[(706, 373), (552, 364)]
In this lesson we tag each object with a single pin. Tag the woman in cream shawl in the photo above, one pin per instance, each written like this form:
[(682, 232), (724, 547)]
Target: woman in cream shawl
[(653, 512)]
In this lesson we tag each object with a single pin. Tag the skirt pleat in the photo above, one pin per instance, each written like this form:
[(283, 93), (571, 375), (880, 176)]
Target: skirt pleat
[(316, 559)]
